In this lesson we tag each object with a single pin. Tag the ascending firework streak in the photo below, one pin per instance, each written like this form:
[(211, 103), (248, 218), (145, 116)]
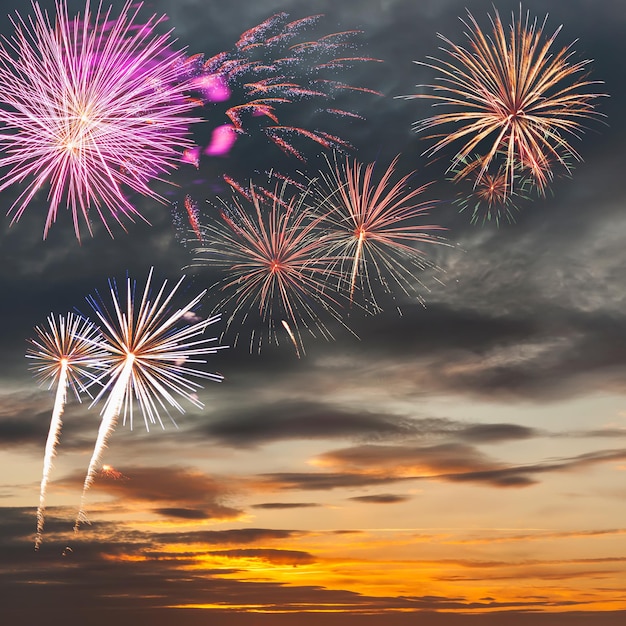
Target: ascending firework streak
[(370, 228), (269, 256), (89, 107), (68, 355), (149, 348), (511, 96)]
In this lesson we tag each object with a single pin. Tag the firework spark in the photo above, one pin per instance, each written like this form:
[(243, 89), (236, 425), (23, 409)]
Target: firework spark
[(108, 471), (67, 355), (369, 226), (88, 107), (149, 349), (491, 198), (269, 256), (263, 73), (513, 96)]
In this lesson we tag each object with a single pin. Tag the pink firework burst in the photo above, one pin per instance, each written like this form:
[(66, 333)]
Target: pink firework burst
[(89, 106), (269, 70)]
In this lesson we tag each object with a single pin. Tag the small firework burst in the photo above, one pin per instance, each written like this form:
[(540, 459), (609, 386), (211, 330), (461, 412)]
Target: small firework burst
[(512, 96), (372, 229), (273, 271), (89, 107), (66, 354), (153, 354), (109, 472), (490, 198)]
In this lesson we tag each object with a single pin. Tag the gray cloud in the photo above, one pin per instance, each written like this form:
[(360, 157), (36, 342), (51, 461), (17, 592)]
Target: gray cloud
[(284, 505), (180, 492), (381, 498)]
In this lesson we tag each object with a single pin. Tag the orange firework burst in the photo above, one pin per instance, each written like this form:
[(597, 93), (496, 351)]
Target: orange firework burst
[(269, 254), (108, 471), (512, 96), (370, 228)]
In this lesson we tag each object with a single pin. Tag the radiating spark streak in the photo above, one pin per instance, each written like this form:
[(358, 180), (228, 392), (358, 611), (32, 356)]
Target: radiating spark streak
[(191, 207), (513, 96), (66, 355), (269, 257), (88, 108), (291, 336), (150, 349), (370, 226)]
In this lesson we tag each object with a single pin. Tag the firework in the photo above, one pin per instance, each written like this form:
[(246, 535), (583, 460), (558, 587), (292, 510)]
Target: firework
[(67, 355), (89, 107), (107, 471), (269, 255), (491, 198), (513, 96), (183, 219), (150, 351), (262, 77), (370, 228)]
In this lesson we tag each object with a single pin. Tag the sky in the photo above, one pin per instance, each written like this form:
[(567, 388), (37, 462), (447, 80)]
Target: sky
[(459, 462)]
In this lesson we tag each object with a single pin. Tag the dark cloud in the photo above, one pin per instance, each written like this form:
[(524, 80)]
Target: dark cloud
[(320, 481), (235, 536), (443, 458), (280, 557), (381, 498), (17, 432), (183, 513), (374, 465), (488, 433), (249, 425), (284, 505), (277, 421), (449, 462), (183, 493), (104, 556), (24, 417)]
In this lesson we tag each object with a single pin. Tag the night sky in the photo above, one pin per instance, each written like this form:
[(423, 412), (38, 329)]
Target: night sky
[(449, 463)]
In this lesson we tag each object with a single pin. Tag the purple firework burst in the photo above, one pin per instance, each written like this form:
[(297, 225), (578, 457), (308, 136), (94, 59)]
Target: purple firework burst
[(89, 106)]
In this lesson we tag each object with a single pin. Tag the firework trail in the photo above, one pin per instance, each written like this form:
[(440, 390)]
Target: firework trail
[(149, 350), (270, 69), (369, 226), (511, 95), (68, 355), (190, 217), (88, 107), (269, 255)]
